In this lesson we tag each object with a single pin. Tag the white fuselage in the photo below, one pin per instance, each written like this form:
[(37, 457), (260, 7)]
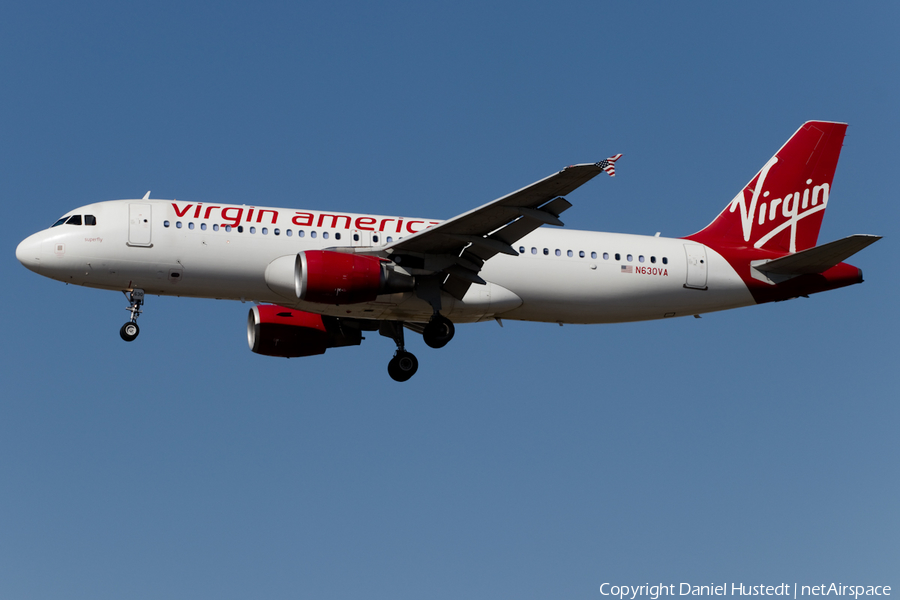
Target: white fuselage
[(560, 275)]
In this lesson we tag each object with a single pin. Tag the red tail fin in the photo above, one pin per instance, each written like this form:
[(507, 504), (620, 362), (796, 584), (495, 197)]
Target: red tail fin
[(781, 209)]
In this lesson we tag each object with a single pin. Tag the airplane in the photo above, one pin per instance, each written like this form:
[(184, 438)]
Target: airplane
[(319, 280)]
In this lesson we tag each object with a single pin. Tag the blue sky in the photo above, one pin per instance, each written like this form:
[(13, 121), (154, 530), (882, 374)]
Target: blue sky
[(532, 461)]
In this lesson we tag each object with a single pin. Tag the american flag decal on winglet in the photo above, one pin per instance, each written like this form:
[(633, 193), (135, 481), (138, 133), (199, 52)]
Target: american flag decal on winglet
[(609, 165)]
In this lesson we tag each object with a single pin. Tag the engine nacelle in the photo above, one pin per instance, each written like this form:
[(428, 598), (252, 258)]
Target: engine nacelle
[(277, 331), (330, 277)]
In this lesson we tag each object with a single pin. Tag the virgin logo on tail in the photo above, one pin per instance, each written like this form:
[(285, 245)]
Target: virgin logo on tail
[(781, 209), (793, 207)]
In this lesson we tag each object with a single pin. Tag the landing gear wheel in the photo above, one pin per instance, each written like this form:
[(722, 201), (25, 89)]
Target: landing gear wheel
[(403, 366), (129, 331), (439, 331)]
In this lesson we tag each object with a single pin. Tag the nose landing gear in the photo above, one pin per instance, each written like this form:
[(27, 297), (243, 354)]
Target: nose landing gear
[(130, 330)]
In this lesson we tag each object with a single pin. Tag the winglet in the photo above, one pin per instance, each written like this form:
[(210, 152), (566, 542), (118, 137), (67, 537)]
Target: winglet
[(609, 165), (146, 196)]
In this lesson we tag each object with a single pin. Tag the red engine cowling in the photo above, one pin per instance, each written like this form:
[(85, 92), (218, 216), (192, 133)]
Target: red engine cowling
[(341, 278), (277, 331)]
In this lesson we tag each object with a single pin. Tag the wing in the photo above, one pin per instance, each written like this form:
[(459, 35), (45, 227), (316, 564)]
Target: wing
[(458, 248)]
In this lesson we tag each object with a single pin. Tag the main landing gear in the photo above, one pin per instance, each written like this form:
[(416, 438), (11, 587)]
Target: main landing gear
[(130, 330), (439, 331), (404, 364)]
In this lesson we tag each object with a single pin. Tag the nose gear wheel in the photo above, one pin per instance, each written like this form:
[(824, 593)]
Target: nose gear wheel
[(130, 330)]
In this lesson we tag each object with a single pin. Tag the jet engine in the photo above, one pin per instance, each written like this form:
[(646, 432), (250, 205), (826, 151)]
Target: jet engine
[(277, 331), (330, 277)]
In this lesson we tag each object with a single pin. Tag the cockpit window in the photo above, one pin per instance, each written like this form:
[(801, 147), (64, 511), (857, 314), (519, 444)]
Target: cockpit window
[(76, 220)]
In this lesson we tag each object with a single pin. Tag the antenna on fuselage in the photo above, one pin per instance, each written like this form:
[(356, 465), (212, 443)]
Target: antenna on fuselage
[(146, 196)]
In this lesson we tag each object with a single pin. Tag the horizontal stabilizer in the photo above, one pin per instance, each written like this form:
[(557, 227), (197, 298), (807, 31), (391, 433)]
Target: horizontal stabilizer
[(818, 259)]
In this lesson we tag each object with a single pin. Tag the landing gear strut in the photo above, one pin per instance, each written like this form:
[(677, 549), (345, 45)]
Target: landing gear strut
[(404, 364), (130, 330), (439, 331)]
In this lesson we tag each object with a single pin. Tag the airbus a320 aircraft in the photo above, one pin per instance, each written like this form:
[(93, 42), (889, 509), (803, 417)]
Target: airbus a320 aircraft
[(320, 279)]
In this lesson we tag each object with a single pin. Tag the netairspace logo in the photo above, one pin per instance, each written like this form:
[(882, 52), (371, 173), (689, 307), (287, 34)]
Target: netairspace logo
[(654, 592)]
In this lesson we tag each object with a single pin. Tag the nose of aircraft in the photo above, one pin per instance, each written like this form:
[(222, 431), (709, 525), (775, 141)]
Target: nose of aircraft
[(29, 253)]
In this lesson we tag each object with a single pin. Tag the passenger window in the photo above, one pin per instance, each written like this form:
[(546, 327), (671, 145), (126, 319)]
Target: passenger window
[(276, 231), (533, 250), (312, 234), (355, 237), (191, 225), (521, 249), (265, 231), (653, 260), (240, 229), (337, 236), (389, 239), (618, 256), (665, 260), (569, 253), (301, 233), (558, 253), (629, 257), (74, 220), (324, 235), (215, 226), (546, 252), (252, 229), (63, 220), (581, 254), (594, 255), (228, 228), (641, 258), (165, 224), (606, 256), (90, 220), (203, 226), (178, 224)]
